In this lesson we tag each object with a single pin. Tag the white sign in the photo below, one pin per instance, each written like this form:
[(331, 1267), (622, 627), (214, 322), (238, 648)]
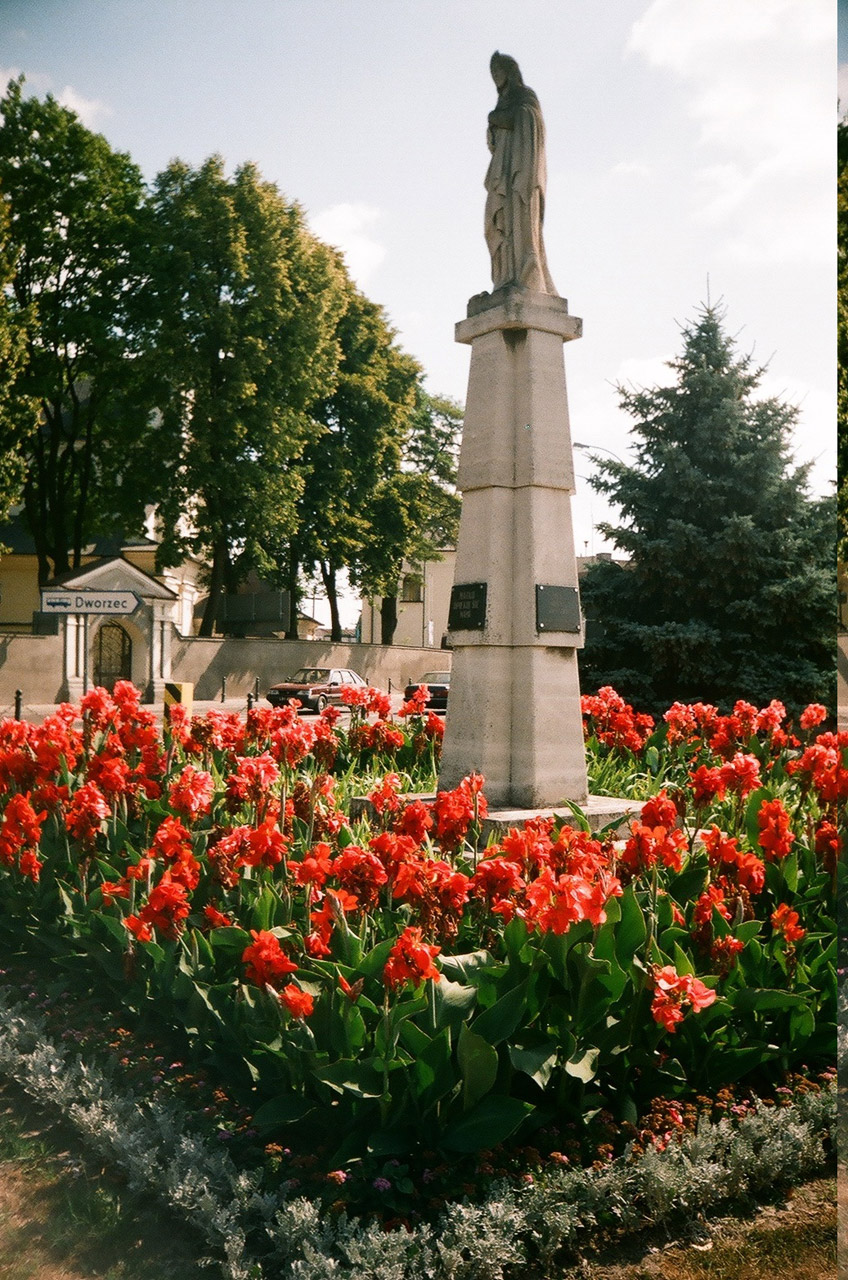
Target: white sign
[(54, 600)]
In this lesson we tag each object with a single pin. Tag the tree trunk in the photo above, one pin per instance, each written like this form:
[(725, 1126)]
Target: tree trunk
[(388, 619), (216, 582), (328, 577)]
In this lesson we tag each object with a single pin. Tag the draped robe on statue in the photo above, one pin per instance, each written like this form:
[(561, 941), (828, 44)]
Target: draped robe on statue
[(515, 183)]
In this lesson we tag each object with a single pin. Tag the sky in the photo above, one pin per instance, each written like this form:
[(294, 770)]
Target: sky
[(691, 159)]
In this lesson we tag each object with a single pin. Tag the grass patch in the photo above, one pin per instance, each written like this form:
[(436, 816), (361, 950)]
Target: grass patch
[(62, 1215)]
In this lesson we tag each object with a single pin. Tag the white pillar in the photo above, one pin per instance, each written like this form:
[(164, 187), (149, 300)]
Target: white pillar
[(514, 708)]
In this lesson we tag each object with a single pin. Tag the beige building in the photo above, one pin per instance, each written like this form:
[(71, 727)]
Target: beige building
[(423, 604)]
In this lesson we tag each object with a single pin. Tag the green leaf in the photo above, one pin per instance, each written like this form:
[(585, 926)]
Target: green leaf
[(478, 1064), (487, 1124), (372, 964), (632, 930), (433, 1071), (463, 968), (351, 1076), (688, 884), (500, 1021), (756, 1000), (280, 1111), (454, 1002), (584, 1067), (536, 1061)]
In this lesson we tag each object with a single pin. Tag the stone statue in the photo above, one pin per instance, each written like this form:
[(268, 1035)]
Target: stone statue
[(515, 182)]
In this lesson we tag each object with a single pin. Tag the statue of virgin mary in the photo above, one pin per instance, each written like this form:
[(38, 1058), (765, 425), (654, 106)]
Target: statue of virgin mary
[(515, 183)]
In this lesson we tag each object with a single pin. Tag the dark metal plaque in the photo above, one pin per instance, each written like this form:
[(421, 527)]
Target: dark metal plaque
[(557, 609), (467, 607)]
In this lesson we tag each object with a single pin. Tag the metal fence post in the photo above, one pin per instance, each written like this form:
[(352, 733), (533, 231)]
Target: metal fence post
[(250, 702), (19, 697), (223, 688)]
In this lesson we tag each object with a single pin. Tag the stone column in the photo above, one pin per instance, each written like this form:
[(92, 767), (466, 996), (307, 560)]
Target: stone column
[(514, 707)]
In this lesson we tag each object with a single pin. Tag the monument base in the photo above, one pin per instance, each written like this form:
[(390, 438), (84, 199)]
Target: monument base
[(600, 812), (514, 710)]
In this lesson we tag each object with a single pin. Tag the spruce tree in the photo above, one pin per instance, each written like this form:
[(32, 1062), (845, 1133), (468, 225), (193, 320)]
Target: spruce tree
[(728, 588)]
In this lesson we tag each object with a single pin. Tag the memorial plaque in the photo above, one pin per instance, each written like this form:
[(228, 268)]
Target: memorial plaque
[(467, 607), (557, 609)]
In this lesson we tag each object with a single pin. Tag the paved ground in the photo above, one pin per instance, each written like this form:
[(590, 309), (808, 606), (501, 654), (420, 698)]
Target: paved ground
[(37, 712)]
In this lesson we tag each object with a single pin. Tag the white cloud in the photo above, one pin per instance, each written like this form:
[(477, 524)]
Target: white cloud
[(682, 34), (631, 169), (757, 75), (346, 227), (89, 110)]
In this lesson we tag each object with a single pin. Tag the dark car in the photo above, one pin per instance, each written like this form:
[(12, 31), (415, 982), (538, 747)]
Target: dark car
[(438, 684), (314, 687)]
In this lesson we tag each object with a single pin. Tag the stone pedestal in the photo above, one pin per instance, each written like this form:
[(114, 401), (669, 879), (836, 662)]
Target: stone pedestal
[(514, 707)]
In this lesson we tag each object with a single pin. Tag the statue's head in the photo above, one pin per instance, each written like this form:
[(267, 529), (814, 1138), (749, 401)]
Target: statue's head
[(504, 70)]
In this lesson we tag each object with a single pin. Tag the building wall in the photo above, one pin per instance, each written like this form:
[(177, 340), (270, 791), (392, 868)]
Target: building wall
[(19, 594), (205, 663), (422, 623), (32, 664)]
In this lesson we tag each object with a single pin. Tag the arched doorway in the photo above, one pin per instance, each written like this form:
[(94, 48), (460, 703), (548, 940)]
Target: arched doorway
[(112, 655)]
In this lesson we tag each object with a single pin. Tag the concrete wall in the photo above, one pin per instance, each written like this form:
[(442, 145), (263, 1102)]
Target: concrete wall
[(842, 678), (205, 662), (32, 664)]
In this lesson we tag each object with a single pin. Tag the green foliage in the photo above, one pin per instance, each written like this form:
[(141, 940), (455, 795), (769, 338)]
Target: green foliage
[(70, 245), (547, 1001), (352, 499), (241, 309), (414, 512), (729, 587)]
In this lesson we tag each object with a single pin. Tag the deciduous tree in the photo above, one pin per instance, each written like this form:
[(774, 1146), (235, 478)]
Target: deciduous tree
[(414, 514), (245, 305), (365, 419), (70, 240)]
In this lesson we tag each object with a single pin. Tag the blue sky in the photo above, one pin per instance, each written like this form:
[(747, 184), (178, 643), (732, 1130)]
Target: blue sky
[(688, 140)]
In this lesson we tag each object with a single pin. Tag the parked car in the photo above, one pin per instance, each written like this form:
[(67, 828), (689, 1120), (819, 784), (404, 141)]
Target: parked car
[(438, 684), (314, 687)]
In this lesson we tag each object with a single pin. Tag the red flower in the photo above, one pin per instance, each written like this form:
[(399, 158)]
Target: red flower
[(384, 796), (410, 960), (191, 793), (775, 838), (828, 844), (707, 785), (813, 715), (415, 821), (87, 810), (648, 845), (360, 872), (742, 773), (252, 779), (167, 906), (455, 810), (659, 811), (172, 839), (315, 867), (138, 927), (785, 921), (216, 919), (674, 993), (299, 1003), (264, 960)]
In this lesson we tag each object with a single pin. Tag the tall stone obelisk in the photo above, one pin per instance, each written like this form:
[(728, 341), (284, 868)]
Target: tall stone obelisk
[(515, 622)]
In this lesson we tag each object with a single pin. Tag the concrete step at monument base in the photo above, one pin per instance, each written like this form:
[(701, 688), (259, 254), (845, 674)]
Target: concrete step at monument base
[(601, 812)]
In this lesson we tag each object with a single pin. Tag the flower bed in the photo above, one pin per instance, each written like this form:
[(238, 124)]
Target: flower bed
[(388, 998)]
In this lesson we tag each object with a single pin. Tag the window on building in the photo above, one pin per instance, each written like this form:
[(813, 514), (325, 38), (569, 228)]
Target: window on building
[(412, 589)]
